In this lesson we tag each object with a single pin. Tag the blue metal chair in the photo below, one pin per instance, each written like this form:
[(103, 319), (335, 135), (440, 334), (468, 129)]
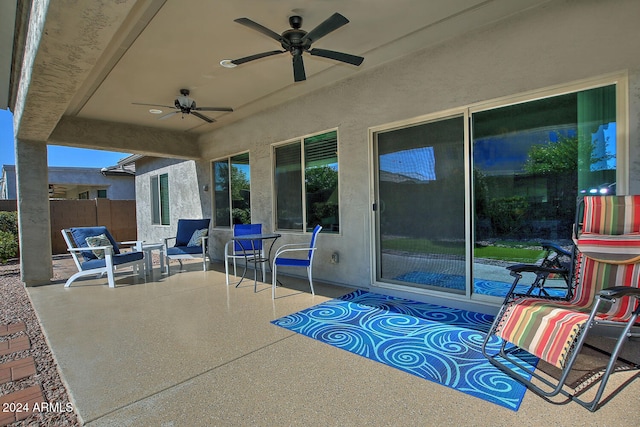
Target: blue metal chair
[(306, 261), (246, 250)]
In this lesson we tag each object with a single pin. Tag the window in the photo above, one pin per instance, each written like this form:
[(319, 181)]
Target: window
[(306, 183), (102, 194), (521, 162), (531, 161), (232, 190), (84, 195), (160, 199)]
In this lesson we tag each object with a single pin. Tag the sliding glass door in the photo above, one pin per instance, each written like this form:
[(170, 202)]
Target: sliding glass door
[(460, 198), (420, 205)]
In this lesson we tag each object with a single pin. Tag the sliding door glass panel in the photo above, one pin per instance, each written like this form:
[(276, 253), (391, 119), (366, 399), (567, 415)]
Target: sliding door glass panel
[(531, 162), (420, 208)]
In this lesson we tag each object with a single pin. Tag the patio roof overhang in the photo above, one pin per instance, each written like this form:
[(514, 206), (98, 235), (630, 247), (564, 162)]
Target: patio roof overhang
[(77, 68)]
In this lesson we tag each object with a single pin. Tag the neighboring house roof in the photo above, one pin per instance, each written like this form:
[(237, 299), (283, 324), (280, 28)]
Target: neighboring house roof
[(120, 169), (67, 182), (130, 160)]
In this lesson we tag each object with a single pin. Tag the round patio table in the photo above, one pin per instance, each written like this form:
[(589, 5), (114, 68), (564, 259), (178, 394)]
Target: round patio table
[(253, 252)]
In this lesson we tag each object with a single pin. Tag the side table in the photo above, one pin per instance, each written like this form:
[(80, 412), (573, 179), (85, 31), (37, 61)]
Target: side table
[(148, 249)]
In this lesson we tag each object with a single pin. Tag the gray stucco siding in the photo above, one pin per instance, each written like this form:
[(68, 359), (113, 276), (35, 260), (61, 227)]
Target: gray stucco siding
[(554, 45)]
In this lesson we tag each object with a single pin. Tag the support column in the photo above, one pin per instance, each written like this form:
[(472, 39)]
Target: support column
[(34, 223)]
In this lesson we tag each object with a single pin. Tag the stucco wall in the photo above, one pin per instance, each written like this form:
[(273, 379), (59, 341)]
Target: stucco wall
[(558, 43), (87, 179), (187, 197)]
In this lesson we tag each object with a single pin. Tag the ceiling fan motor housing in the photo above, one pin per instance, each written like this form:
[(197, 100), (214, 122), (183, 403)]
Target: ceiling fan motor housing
[(294, 37), (184, 103), (295, 21)]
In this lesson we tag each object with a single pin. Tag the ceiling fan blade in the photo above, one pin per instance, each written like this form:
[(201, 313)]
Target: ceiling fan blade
[(338, 56), (213, 109), (202, 116), (298, 68), (154, 105), (259, 28), (330, 24), (256, 56), (166, 116)]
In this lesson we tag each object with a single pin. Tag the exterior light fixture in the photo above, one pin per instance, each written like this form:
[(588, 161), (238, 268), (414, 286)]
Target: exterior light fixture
[(228, 63)]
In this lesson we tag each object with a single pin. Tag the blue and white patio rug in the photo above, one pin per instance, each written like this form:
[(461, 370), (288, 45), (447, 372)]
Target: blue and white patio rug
[(433, 342)]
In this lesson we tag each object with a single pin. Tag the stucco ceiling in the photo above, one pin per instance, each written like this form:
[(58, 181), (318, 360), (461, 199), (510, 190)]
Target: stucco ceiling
[(162, 46)]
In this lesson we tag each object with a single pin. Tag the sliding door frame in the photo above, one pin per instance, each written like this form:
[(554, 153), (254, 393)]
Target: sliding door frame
[(620, 79)]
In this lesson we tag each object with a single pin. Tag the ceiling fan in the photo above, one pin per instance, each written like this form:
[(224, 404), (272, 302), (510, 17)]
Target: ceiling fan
[(185, 105), (296, 41)]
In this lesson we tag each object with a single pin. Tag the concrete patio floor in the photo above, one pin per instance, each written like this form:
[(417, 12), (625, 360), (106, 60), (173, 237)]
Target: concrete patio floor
[(187, 350)]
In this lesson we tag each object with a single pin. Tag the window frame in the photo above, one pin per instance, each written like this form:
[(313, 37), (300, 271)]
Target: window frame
[(619, 79), (305, 228), (160, 208), (228, 160)]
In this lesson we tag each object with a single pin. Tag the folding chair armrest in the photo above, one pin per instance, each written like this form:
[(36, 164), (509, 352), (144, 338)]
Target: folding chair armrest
[(294, 245), (166, 240), (108, 250), (131, 242), (556, 248), (226, 247), (619, 292), (532, 268), (89, 248), (288, 248), (516, 271), (137, 244)]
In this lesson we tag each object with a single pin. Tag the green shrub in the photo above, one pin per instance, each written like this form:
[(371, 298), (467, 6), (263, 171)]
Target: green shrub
[(507, 214), (8, 235), (241, 216), (9, 222), (8, 246)]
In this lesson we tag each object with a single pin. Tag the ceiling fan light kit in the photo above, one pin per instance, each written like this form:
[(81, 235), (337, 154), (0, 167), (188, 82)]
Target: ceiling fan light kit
[(228, 63), (183, 102)]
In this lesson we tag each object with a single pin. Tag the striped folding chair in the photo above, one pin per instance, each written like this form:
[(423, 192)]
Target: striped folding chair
[(606, 279)]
